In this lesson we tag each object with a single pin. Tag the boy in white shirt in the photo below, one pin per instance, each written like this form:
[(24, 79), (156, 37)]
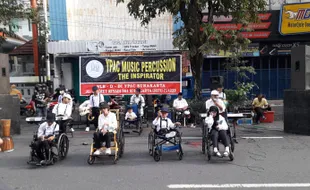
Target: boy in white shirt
[(95, 99), (180, 104), (130, 115), (107, 124), (46, 134), (138, 99), (163, 124), (64, 110), (84, 110)]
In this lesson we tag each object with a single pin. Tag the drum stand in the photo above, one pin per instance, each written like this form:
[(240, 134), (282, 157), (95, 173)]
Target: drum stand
[(8, 144)]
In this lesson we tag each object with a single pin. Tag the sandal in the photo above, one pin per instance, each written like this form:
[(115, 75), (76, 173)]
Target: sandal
[(226, 154), (218, 154)]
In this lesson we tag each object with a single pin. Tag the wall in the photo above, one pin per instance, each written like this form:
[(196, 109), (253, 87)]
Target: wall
[(103, 20)]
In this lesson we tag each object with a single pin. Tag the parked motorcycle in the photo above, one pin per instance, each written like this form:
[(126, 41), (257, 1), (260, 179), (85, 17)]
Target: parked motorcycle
[(23, 104), (29, 109)]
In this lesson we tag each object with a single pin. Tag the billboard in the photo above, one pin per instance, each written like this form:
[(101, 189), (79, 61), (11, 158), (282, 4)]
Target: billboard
[(122, 75), (295, 19)]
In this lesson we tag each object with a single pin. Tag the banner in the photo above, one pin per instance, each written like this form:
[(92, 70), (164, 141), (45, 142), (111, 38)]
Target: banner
[(122, 75), (251, 51), (294, 19)]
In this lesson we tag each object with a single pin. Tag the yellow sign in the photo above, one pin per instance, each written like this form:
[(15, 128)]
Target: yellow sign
[(295, 19)]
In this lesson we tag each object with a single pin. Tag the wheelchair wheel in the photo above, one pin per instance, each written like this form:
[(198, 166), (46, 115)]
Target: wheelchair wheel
[(122, 144), (63, 146), (157, 156), (151, 144), (208, 148), (91, 160), (140, 127), (231, 156), (180, 153)]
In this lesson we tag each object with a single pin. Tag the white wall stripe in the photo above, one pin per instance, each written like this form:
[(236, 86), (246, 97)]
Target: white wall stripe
[(220, 186)]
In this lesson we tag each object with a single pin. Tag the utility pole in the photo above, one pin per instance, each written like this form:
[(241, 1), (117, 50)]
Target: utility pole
[(47, 57), (35, 41)]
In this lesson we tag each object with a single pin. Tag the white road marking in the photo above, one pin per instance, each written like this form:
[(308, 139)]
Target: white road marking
[(191, 138), (221, 186), (262, 137)]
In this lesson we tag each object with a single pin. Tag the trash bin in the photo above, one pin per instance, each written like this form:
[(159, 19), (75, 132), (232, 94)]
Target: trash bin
[(269, 115)]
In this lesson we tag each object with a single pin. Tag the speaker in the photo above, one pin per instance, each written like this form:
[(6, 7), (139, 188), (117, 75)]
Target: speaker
[(4, 74), (215, 81), (300, 68)]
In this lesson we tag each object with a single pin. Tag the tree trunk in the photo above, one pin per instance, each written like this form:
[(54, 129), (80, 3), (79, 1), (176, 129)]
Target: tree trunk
[(196, 66)]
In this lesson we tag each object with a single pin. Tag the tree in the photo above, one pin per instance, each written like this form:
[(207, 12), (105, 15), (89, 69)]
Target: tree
[(9, 10), (198, 37)]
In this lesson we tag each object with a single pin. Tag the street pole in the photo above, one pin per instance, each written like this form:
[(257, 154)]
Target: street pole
[(35, 41), (47, 57)]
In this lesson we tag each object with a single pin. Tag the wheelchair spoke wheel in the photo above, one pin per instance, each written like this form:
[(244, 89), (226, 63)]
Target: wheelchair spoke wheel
[(157, 156), (208, 148), (151, 144), (231, 156), (63, 146), (180, 153), (91, 160), (122, 145)]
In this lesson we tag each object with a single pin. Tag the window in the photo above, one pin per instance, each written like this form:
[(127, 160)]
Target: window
[(29, 25), (283, 62), (289, 62), (215, 64), (206, 65), (223, 64), (273, 62), (256, 63)]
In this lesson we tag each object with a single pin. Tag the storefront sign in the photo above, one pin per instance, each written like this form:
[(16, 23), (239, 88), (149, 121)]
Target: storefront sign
[(136, 53), (122, 75), (254, 26), (256, 35), (277, 48), (251, 51), (295, 19), (262, 17), (122, 45)]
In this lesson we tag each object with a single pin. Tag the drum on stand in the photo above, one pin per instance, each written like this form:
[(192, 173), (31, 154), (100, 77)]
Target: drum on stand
[(8, 144)]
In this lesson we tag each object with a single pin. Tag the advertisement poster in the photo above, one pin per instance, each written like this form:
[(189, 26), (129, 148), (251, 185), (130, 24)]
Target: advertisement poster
[(122, 75), (294, 19)]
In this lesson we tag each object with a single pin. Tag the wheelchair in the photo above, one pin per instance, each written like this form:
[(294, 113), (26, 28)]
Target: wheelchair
[(117, 143), (156, 144), (67, 123), (134, 126), (207, 142), (58, 150)]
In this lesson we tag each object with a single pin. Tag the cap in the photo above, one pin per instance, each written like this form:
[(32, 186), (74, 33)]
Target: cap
[(180, 94), (138, 90), (50, 117), (13, 86), (164, 109), (95, 88), (215, 93), (104, 105), (67, 96)]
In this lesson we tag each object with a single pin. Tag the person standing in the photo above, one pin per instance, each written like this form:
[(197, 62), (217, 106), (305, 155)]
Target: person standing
[(15, 91), (95, 99), (138, 99), (40, 97), (64, 109)]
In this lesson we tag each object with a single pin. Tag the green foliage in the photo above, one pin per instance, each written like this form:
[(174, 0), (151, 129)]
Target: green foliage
[(197, 107), (198, 37), (9, 10)]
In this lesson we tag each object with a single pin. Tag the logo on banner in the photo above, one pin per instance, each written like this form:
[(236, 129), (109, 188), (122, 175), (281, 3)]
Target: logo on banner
[(295, 19), (94, 69)]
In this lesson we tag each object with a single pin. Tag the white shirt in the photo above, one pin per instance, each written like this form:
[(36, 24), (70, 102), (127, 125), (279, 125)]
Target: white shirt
[(222, 95), (62, 109), (166, 123), (85, 104), (111, 121), (221, 122), (45, 130), (180, 103), (96, 100), (134, 99), (131, 115), (210, 103)]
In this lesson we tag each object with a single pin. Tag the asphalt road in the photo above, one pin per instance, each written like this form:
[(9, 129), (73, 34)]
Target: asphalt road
[(257, 161)]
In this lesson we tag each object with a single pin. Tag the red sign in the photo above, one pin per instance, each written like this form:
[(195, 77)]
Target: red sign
[(256, 35), (254, 26), (262, 17), (150, 88)]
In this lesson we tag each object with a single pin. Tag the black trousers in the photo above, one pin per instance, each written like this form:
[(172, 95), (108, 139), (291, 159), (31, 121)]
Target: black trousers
[(99, 137), (216, 135), (87, 121), (260, 112), (63, 125), (95, 113), (42, 145)]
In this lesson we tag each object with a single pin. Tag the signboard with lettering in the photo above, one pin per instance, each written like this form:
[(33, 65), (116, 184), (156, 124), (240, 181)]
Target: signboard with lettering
[(295, 19), (262, 17), (122, 45), (251, 51), (122, 75), (277, 48)]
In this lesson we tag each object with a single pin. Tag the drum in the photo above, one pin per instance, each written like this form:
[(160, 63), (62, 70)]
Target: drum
[(8, 144), (6, 127)]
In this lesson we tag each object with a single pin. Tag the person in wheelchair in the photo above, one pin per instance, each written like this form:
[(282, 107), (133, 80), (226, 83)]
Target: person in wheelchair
[(107, 124), (46, 134), (64, 110), (130, 115), (218, 127), (163, 124)]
